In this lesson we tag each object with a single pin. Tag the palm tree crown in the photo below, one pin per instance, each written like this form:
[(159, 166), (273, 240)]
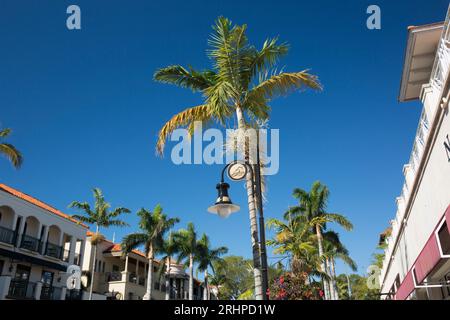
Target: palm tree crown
[(242, 77)]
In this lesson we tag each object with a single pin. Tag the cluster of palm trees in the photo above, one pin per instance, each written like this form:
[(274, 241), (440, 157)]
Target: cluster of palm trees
[(156, 238), (304, 238)]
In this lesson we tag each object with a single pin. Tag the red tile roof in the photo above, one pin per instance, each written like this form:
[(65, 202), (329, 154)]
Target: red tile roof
[(38, 203)]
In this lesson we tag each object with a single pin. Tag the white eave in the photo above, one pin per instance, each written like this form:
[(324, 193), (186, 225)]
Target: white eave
[(419, 57)]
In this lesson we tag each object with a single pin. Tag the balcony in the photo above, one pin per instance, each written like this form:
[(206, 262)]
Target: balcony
[(54, 251), (7, 235), (30, 243), (21, 289)]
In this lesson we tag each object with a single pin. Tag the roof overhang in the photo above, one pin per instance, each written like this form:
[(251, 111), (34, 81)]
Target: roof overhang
[(419, 58)]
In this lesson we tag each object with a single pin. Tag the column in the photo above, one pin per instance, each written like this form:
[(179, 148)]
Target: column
[(125, 272), (37, 291), (72, 247), (20, 231), (81, 254), (137, 271), (5, 281), (63, 293), (44, 240)]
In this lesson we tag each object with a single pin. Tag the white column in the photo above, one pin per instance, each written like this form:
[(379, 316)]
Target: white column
[(72, 247), (37, 291), (63, 293), (44, 239), (20, 231), (125, 272), (60, 240), (81, 254), (5, 281)]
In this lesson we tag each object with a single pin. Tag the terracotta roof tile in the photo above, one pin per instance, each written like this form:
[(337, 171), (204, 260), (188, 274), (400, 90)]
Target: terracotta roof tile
[(38, 203)]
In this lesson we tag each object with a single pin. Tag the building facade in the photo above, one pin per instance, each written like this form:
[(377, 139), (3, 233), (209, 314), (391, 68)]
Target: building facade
[(37, 244), (416, 263), (124, 276)]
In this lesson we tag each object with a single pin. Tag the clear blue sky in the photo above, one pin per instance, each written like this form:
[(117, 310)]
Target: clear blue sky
[(85, 111)]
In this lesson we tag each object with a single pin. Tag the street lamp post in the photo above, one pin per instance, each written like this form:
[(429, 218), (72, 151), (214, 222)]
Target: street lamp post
[(224, 207)]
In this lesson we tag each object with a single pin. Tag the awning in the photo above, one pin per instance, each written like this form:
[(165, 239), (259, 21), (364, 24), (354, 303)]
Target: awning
[(427, 260), (33, 260)]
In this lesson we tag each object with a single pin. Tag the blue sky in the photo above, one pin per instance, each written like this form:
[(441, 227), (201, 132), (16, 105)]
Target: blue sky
[(85, 111)]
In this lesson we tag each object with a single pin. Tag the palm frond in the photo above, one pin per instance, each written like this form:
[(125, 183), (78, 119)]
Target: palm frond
[(12, 154), (180, 76), (185, 118), (283, 83)]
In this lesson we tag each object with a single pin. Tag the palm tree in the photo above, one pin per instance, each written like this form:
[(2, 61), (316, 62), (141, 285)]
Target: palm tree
[(153, 225), (218, 279), (206, 257), (313, 205), (101, 217), (242, 83), (9, 151), (170, 248), (334, 249), (293, 240), (188, 249)]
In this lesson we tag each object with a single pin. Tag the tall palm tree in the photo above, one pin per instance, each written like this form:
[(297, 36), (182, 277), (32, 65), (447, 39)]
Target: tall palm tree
[(334, 249), (101, 217), (169, 250), (242, 82), (206, 257), (154, 226), (313, 205), (188, 249), (9, 151)]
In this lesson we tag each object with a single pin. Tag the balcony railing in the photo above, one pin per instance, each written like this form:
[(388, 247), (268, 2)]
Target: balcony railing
[(7, 235), (21, 289), (30, 243), (113, 276), (50, 293), (54, 251)]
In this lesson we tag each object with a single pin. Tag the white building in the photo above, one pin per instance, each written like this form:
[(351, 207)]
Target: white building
[(417, 264), (124, 277), (37, 243)]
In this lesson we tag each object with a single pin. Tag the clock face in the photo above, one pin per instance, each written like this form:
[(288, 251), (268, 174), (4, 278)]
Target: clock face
[(237, 171)]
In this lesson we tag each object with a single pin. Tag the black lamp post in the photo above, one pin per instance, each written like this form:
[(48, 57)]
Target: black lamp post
[(224, 207)]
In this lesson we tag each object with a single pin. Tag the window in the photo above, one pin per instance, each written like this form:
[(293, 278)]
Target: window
[(115, 268), (22, 272), (103, 267), (1, 267), (47, 278)]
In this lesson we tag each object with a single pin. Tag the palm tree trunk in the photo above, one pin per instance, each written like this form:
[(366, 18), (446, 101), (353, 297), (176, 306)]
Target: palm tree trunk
[(191, 277), (94, 261), (149, 288), (323, 266), (253, 222), (206, 291), (333, 279), (330, 281), (168, 280)]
